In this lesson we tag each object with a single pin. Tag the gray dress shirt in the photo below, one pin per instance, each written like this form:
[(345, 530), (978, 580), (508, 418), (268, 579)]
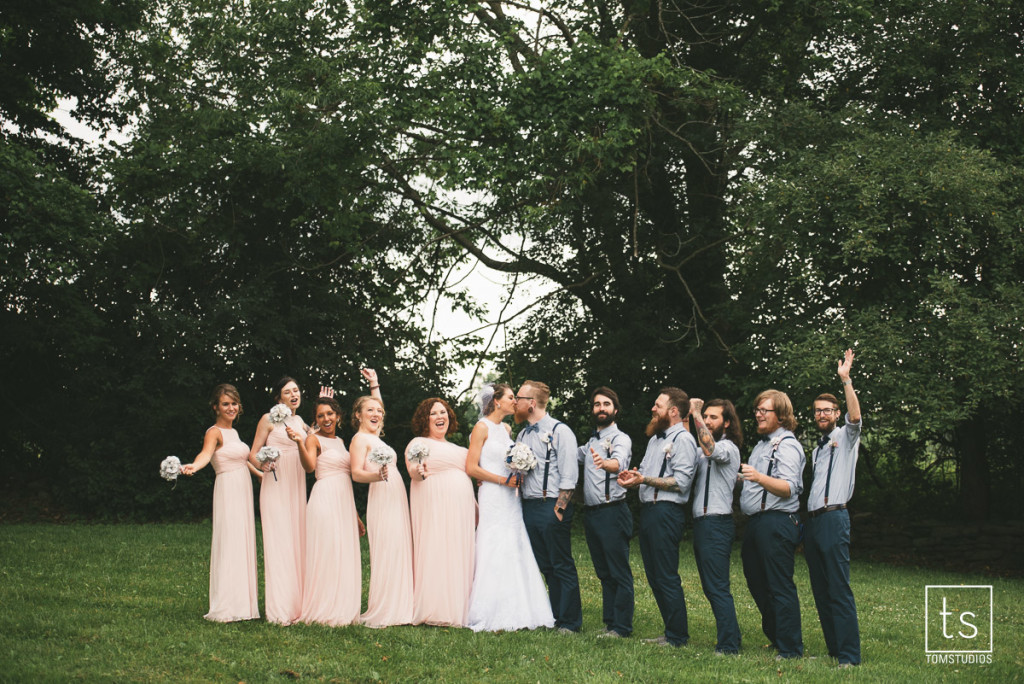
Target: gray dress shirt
[(715, 477), (678, 451), (555, 446), (594, 478), (841, 451), (783, 451)]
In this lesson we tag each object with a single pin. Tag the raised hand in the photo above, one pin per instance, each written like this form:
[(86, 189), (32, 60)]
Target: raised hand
[(326, 392), (696, 405), (370, 375), (844, 366)]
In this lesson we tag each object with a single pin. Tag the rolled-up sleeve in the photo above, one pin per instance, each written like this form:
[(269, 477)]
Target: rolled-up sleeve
[(789, 466), (684, 463), (568, 465), (622, 451)]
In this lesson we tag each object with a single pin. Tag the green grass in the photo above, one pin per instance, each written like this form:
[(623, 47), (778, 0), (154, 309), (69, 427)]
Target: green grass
[(125, 603)]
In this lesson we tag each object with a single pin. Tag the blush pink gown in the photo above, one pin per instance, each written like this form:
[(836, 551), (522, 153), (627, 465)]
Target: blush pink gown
[(234, 592), (443, 511), (333, 587), (388, 529), (283, 517)]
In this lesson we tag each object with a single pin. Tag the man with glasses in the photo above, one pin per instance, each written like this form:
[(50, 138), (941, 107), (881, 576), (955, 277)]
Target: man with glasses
[(547, 508), (827, 546), (772, 482)]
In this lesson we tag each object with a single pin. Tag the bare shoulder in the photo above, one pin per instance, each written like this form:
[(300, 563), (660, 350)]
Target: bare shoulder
[(508, 428)]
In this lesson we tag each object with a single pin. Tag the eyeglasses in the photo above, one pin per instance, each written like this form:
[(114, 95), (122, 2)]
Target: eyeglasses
[(761, 411), (824, 411), (523, 398)]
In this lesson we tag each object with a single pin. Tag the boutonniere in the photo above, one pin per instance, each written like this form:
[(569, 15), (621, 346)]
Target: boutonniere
[(775, 442), (833, 444), (606, 444), (546, 437), (668, 450)]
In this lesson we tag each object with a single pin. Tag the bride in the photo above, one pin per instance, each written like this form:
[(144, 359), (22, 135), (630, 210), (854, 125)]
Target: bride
[(508, 589)]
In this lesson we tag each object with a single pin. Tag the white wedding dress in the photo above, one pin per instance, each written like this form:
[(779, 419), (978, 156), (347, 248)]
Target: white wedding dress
[(508, 589)]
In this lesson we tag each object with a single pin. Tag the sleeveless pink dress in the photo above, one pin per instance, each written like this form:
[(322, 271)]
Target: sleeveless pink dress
[(234, 591), (387, 526), (283, 517), (333, 587), (443, 511)]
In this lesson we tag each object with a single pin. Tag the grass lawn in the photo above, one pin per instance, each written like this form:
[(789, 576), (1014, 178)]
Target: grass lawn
[(125, 603)]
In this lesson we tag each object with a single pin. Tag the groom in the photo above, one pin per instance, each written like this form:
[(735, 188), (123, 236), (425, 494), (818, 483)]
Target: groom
[(547, 510)]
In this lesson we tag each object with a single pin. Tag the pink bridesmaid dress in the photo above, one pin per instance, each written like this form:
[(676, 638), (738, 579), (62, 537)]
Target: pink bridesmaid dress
[(333, 587), (234, 591), (283, 517), (387, 526), (444, 536)]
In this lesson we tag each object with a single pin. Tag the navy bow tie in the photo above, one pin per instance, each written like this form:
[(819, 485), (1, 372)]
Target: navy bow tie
[(660, 435), (822, 441), (596, 434), (765, 438), (530, 428)]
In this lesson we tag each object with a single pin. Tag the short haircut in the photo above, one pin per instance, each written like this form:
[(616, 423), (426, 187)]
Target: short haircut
[(782, 405), (734, 433), (607, 392), (222, 390), (421, 417), (542, 392), (825, 396), (677, 398), (358, 406)]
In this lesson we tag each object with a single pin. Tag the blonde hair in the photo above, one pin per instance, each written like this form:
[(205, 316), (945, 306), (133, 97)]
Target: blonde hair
[(782, 405), (542, 391), (358, 406)]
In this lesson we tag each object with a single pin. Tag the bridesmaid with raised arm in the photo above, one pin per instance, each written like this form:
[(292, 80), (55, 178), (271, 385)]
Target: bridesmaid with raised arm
[(387, 519), (233, 587), (283, 508), (443, 517)]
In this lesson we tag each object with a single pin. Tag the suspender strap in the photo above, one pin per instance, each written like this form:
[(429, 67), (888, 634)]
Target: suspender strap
[(707, 487), (664, 463), (547, 461), (771, 462), (828, 477)]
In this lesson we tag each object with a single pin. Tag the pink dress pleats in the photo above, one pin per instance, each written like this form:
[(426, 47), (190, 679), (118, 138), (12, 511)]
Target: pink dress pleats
[(283, 518), (443, 511), (333, 585), (388, 529), (234, 591)]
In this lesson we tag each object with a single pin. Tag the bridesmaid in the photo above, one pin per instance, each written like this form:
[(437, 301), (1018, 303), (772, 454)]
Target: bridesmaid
[(333, 584), (387, 522), (283, 508), (443, 519), (233, 588)]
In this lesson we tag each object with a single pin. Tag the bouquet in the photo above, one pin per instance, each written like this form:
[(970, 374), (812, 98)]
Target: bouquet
[(269, 454), (382, 455), (278, 414), (520, 460), (170, 468)]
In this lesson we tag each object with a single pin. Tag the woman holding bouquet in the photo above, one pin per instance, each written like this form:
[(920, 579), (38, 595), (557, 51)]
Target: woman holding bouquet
[(508, 589), (387, 519), (233, 587), (283, 506), (443, 517), (333, 584)]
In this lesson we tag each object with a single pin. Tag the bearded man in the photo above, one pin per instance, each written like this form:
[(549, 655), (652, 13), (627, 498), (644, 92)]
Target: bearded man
[(664, 479)]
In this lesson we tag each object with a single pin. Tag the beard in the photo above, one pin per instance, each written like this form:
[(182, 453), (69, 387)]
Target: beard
[(717, 434), (657, 424), (828, 428), (603, 419), (520, 416)]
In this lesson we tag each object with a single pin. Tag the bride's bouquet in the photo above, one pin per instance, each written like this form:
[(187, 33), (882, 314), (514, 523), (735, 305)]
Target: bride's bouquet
[(520, 460), (382, 455), (278, 414), (269, 454)]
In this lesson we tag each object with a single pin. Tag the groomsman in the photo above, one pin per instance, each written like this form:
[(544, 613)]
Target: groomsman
[(547, 507), (664, 480), (720, 439), (608, 523), (772, 481), (827, 544)]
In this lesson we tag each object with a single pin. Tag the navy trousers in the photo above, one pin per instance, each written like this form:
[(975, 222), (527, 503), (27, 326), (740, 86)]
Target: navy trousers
[(551, 541), (769, 546), (712, 549), (827, 549), (608, 530), (661, 530)]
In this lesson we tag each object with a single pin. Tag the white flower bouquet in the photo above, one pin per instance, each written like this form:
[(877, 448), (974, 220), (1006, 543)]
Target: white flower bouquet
[(419, 452), (520, 460), (278, 414), (170, 468), (269, 454), (382, 455)]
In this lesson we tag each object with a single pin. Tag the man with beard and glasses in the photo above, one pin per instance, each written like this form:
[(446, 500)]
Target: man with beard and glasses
[(720, 439), (827, 545), (608, 523), (547, 507), (664, 479), (772, 481)]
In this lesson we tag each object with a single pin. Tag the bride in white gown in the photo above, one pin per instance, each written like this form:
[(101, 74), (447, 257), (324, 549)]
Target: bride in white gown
[(508, 589)]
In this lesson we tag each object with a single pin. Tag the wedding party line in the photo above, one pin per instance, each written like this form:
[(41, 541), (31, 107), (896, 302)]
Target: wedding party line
[(501, 560)]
